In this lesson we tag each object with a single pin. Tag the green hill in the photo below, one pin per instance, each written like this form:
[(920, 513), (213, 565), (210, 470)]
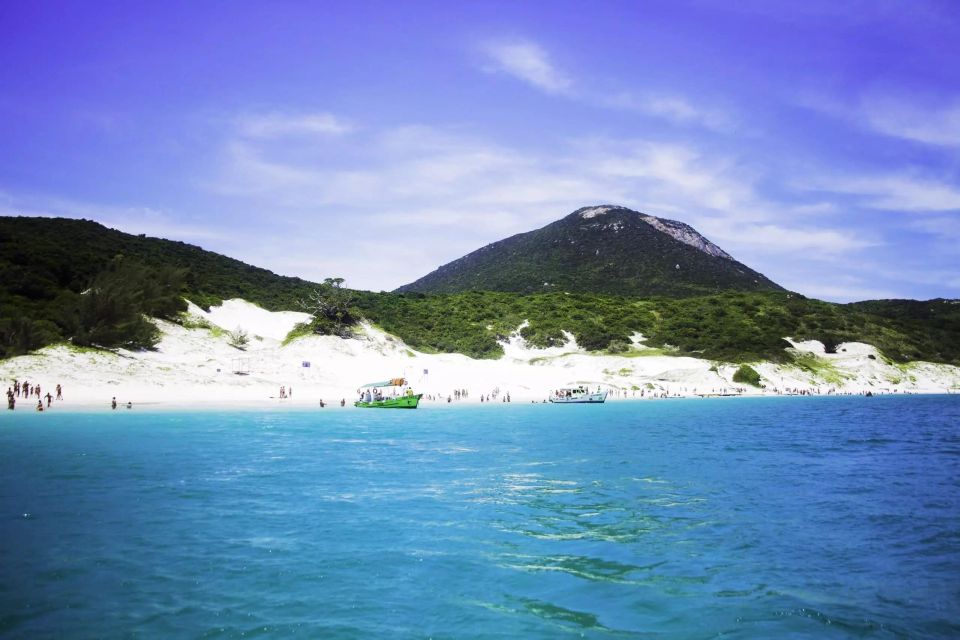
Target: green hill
[(50, 269), (46, 263), (605, 249)]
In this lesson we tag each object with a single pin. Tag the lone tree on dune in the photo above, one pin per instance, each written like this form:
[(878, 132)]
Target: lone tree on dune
[(330, 306)]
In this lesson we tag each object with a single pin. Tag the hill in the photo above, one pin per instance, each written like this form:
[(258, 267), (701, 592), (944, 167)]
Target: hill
[(604, 249), (46, 263), (40, 257), (49, 267)]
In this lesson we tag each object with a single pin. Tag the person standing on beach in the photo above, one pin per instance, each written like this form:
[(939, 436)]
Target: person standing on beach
[(11, 402), (49, 399), (59, 393), (113, 403)]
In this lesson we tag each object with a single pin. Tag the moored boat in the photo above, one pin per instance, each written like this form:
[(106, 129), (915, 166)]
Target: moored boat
[(389, 394), (578, 395)]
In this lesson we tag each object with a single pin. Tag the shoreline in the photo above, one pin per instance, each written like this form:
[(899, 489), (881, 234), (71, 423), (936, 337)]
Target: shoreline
[(303, 407), (194, 366)]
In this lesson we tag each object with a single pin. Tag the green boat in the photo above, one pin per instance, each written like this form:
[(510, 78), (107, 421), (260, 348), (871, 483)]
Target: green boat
[(372, 398)]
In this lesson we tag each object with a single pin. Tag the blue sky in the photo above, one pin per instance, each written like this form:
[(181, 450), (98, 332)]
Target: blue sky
[(817, 142)]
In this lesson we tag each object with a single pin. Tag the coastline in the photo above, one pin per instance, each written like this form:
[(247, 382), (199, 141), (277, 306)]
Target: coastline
[(194, 367), (173, 407)]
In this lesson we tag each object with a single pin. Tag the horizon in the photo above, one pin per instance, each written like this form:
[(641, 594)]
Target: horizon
[(815, 144)]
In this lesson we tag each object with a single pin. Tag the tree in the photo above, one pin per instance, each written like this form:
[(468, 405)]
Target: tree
[(112, 311), (19, 335), (331, 307)]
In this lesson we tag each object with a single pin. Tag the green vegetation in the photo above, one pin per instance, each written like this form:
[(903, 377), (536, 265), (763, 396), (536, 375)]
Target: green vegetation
[(819, 367), (731, 327), (75, 280), (46, 265), (238, 339), (616, 252), (747, 375), (332, 309), (110, 311), (299, 330)]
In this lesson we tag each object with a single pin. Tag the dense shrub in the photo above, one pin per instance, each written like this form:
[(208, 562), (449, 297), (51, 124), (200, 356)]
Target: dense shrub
[(747, 375)]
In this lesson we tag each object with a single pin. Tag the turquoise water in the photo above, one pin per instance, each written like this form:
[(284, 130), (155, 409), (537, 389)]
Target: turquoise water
[(759, 518)]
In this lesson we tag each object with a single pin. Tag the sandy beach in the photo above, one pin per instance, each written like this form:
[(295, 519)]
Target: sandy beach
[(197, 367)]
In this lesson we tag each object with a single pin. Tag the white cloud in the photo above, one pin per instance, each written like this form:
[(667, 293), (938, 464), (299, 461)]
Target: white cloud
[(673, 108), (277, 124), (679, 174), (317, 212), (894, 116), (781, 239), (936, 126), (895, 192), (460, 192), (529, 62), (946, 227)]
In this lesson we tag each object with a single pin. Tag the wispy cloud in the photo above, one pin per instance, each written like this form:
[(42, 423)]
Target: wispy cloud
[(531, 63), (526, 61), (461, 191), (779, 239), (436, 180), (935, 123), (278, 124), (936, 126), (673, 108), (895, 192), (946, 227)]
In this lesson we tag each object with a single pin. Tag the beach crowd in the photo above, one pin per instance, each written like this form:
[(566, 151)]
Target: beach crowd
[(27, 392)]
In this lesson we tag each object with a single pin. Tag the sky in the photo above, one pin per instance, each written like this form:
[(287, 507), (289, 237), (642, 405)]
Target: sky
[(818, 142)]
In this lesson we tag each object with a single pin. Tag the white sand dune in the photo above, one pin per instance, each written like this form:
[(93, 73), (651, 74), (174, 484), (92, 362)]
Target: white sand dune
[(198, 367)]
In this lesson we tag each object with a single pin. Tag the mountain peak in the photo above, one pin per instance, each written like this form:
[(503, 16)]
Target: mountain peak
[(592, 212), (599, 249), (677, 230)]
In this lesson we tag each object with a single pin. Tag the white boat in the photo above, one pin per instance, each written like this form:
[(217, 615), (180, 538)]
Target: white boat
[(578, 394)]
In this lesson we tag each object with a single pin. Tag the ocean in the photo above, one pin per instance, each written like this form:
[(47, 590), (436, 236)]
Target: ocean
[(700, 518)]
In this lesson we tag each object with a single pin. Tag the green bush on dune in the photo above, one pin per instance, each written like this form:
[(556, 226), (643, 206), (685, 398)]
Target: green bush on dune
[(747, 375)]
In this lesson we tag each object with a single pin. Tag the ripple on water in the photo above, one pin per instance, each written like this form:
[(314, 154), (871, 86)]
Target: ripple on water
[(776, 518)]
